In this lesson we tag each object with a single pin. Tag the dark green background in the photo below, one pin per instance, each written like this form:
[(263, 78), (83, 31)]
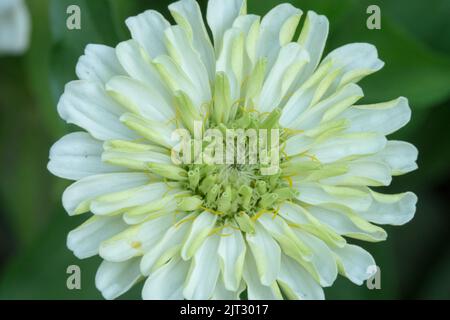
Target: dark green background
[(415, 44)]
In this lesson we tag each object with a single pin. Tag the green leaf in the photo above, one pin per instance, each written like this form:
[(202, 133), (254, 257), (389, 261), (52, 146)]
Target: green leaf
[(436, 284), (27, 200), (41, 271), (422, 19), (37, 68)]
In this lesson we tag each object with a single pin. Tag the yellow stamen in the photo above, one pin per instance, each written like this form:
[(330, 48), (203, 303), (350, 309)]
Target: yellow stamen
[(275, 213), (217, 213), (259, 214), (293, 131), (217, 230), (185, 220), (136, 244), (289, 180)]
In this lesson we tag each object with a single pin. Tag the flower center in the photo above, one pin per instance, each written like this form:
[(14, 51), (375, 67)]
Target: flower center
[(240, 190)]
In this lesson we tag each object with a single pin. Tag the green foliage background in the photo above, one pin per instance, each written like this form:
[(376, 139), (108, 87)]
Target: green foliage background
[(415, 44)]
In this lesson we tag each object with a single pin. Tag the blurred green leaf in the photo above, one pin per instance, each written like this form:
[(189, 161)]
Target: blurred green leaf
[(432, 138), (41, 272), (436, 285), (422, 20), (27, 201), (37, 68)]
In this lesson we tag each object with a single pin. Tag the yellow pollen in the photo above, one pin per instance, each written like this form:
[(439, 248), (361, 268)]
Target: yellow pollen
[(136, 244)]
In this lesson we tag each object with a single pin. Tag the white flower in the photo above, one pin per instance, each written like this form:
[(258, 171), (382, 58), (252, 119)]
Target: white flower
[(14, 27), (212, 231)]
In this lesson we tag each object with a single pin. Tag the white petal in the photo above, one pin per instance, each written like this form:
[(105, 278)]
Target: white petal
[(298, 145), (6, 5), (76, 198), (135, 240), (347, 223), (113, 202), (221, 15), (115, 278), (348, 145), (399, 155), (362, 172), (177, 79), (353, 61), (151, 210), (248, 25), (167, 282), (169, 244), (138, 65), (188, 15), (384, 118), (328, 108), (85, 240), (394, 209), (204, 271), (15, 26), (266, 252), (221, 293), (255, 289), (291, 59), (294, 108), (293, 212), (322, 261), (317, 194), (201, 227), (135, 160), (313, 38), (296, 282), (144, 99), (99, 63), (148, 28), (231, 60), (356, 263), (298, 217), (277, 29), (285, 237), (183, 53), (299, 107), (78, 155), (87, 105), (159, 133), (232, 255)]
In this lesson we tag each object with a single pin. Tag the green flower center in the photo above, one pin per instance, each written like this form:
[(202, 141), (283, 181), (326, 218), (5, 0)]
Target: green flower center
[(241, 191)]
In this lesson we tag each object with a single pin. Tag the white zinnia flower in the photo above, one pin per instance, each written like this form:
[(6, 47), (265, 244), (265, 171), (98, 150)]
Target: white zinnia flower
[(14, 27), (199, 231)]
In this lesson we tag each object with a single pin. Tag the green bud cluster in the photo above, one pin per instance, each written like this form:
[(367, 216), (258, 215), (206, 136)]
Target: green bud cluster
[(237, 192), (228, 190)]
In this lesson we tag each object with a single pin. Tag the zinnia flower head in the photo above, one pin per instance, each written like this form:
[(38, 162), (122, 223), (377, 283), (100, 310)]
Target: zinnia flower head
[(210, 231)]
